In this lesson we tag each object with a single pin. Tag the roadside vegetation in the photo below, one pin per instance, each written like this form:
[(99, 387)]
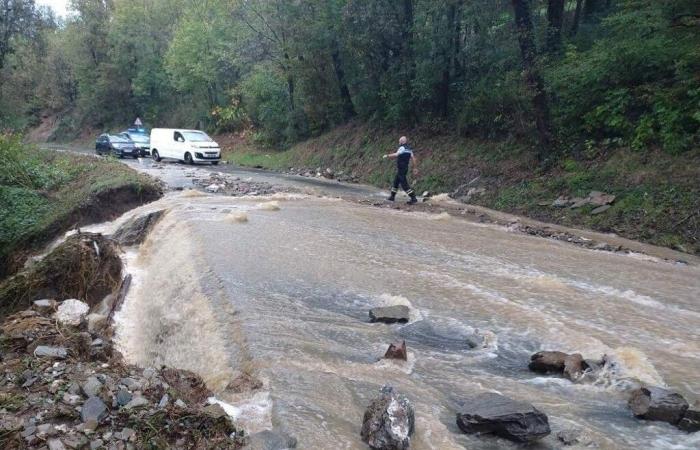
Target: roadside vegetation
[(550, 97), (45, 193)]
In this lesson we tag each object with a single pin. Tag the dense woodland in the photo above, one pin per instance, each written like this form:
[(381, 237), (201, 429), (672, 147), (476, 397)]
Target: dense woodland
[(554, 73)]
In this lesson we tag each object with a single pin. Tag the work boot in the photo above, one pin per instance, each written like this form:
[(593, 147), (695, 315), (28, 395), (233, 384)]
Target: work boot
[(392, 197), (413, 200)]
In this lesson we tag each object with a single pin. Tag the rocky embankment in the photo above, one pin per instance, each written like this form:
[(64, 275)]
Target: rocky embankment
[(62, 383)]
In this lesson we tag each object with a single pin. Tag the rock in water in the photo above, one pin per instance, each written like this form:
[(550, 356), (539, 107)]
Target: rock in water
[(271, 440), (499, 415), (548, 362), (389, 422), (655, 403), (390, 314), (574, 366), (135, 230), (690, 421), (397, 351)]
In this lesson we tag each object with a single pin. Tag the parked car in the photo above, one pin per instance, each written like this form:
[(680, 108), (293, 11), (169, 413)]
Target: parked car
[(189, 146), (118, 146), (140, 138)]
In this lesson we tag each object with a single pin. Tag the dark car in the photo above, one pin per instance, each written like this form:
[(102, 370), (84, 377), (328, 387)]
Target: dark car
[(118, 146), (141, 139)]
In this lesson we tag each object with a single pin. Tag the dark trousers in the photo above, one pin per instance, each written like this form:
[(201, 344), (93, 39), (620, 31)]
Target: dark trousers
[(402, 180)]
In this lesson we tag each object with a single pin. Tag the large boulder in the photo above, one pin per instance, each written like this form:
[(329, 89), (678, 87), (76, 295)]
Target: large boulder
[(389, 422), (135, 230), (548, 362), (510, 419), (574, 366), (655, 403), (390, 314), (71, 312)]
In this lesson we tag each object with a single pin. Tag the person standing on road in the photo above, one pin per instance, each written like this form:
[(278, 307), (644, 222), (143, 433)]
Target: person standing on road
[(404, 157)]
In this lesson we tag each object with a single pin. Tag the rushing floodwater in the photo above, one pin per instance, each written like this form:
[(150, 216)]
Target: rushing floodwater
[(285, 295)]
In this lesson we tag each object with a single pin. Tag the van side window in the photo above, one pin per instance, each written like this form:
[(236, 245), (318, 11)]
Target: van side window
[(178, 137)]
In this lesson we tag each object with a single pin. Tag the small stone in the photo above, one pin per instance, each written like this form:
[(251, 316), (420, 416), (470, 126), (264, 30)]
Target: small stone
[(123, 397), (136, 402), (180, 404), (164, 400), (71, 312), (397, 351), (390, 314), (45, 306), (55, 444), (97, 443), (75, 441), (214, 411), (573, 437), (149, 372), (125, 434), (44, 351), (28, 431), (600, 209), (93, 409), (92, 387), (71, 399), (130, 383), (45, 429), (55, 386)]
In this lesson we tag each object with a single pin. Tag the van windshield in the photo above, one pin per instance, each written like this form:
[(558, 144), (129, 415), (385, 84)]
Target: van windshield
[(196, 136), (138, 137), (119, 139)]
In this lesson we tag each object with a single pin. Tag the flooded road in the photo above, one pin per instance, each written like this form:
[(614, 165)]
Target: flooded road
[(279, 288)]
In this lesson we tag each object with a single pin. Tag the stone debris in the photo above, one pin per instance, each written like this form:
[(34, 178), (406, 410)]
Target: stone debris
[(656, 403), (92, 399), (510, 419), (71, 312), (390, 314), (397, 351), (389, 422)]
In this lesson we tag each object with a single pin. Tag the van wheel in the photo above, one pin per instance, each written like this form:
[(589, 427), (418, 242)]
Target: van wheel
[(188, 158), (155, 155)]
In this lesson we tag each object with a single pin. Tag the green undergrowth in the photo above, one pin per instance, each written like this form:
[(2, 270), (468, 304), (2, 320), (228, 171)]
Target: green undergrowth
[(658, 194), (43, 193)]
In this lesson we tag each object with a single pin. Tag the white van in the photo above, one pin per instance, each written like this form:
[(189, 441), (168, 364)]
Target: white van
[(189, 146)]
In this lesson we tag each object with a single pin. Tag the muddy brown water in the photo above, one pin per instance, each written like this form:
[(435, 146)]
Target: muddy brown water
[(285, 296)]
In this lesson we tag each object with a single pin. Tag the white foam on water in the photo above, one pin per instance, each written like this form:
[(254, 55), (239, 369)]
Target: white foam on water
[(272, 205), (397, 364), (442, 198), (414, 314), (254, 414), (237, 217), (627, 367)]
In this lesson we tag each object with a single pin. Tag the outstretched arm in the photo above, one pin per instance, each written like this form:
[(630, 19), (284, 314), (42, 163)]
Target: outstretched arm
[(391, 155)]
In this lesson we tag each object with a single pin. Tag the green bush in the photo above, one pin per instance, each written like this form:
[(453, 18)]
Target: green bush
[(638, 83)]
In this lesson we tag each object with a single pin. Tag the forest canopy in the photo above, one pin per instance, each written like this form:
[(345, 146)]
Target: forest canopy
[(554, 72)]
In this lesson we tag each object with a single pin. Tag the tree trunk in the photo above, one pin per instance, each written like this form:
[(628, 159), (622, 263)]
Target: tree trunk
[(533, 79), (348, 108), (577, 18), (590, 7), (447, 64), (555, 20)]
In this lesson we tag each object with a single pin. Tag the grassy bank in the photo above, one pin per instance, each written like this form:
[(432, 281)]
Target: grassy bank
[(658, 195), (45, 193)]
